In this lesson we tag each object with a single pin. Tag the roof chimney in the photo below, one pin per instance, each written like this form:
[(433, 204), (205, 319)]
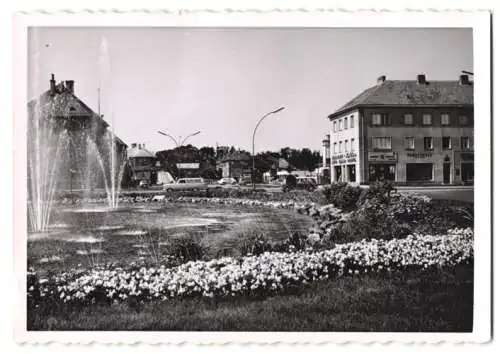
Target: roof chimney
[(70, 85), (133, 145), (52, 85), (464, 80), (381, 79), (421, 79)]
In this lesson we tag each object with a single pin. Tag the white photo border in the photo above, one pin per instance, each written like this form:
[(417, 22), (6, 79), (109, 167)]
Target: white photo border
[(479, 21)]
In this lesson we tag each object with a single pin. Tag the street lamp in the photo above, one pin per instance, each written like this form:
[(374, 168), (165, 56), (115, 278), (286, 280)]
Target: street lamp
[(253, 141), (179, 142)]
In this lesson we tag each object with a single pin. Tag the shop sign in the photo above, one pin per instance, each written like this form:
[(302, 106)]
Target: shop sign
[(419, 155), (382, 156), (188, 166), (343, 158)]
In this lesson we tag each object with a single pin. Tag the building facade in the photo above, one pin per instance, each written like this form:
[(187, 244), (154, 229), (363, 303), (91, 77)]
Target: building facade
[(67, 137), (406, 131), (142, 163)]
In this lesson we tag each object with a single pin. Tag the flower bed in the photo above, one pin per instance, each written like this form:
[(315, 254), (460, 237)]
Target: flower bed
[(253, 275)]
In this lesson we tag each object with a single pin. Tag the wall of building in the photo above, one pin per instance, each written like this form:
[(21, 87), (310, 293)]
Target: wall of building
[(341, 159), (398, 131)]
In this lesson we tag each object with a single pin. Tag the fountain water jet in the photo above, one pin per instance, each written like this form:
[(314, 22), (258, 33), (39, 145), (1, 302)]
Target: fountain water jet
[(45, 145), (112, 176)]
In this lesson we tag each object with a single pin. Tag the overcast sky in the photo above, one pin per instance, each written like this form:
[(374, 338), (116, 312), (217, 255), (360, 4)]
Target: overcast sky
[(221, 81)]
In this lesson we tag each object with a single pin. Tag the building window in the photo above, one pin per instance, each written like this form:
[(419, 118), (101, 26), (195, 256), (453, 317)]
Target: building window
[(445, 119), (410, 143), (446, 143), (465, 143), (334, 148), (352, 121), (408, 119), (382, 143), (428, 143), (345, 123), (380, 119), (346, 145), (462, 120), (426, 119), (352, 144), (340, 125), (334, 126), (340, 146)]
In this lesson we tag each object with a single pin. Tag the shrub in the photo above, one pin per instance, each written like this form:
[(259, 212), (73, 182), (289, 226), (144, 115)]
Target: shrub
[(187, 248), (342, 195), (378, 190), (255, 245)]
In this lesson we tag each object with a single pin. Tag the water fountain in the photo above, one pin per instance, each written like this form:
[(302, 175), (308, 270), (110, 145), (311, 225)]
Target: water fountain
[(58, 144), (109, 166), (46, 144)]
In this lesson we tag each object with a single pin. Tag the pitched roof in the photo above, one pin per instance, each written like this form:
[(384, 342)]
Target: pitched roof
[(139, 152), (65, 103), (409, 92)]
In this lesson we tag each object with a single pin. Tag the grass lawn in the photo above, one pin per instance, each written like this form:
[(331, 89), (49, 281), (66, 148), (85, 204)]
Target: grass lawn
[(439, 301)]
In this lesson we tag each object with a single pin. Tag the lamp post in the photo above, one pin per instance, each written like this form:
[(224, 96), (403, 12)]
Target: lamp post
[(180, 142), (253, 142)]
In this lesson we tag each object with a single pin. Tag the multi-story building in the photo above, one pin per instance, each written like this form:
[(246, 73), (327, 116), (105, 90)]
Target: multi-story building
[(62, 127), (142, 163), (407, 131)]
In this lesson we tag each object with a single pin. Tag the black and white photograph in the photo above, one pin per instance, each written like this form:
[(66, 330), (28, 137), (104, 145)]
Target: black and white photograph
[(237, 178)]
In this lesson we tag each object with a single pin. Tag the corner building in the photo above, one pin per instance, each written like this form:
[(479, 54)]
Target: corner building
[(406, 131)]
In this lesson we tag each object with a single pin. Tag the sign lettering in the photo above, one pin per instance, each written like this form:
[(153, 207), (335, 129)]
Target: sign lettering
[(419, 155), (188, 166), (382, 156)]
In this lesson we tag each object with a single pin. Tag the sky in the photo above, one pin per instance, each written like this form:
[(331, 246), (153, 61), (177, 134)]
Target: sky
[(221, 81)]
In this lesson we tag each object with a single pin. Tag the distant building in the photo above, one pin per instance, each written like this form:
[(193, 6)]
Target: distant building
[(407, 131), (58, 118), (236, 165), (221, 151), (142, 163)]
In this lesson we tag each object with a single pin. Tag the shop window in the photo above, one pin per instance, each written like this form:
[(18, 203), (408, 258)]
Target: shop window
[(463, 120), (410, 143), (465, 143), (428, 143), (419, 172), (351, 173), (426, 119), (382, 172), (352, 121), (445, 119), (382, 143), (408, 119), (446, 143)]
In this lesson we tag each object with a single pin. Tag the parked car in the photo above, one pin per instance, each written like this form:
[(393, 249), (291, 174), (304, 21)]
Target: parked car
[(227, 180), (245, 180), (143, 184), (292, 182), (183, 184)]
